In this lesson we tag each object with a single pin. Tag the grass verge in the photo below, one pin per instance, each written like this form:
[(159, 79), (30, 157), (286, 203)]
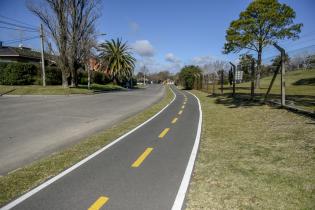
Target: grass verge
[(253, 156), (22, 180), (56, 90)]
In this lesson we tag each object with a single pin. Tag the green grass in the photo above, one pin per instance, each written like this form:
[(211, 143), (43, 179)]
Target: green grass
[(300, 88), (253, 156), (56, 90), (22, 180)]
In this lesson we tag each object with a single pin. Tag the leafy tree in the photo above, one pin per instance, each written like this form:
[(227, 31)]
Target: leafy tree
[(119, 60), (191, 77), (263, 23), (277, 60)]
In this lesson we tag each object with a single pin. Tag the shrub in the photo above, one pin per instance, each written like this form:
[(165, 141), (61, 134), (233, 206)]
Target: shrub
[(82, 77), (18, 74), (191, 77), (53, 76)]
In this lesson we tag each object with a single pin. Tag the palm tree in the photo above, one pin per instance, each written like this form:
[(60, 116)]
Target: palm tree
[(118, 58)]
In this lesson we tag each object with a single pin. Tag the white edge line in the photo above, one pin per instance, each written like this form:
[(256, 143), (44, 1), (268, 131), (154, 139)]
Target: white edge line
[(180, 197), (52, 180)]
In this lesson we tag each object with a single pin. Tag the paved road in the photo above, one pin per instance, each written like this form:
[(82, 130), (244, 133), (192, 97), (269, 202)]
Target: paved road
[(34, 126), (143, 171)]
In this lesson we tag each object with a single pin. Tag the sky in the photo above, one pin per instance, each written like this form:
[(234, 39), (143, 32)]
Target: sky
[(166, 34)]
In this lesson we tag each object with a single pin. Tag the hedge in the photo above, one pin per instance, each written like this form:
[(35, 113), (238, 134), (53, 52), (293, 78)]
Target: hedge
[(18, 74)]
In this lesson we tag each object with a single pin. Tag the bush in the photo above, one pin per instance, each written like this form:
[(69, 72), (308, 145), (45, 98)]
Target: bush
[(53, 76), (82, 77), (191, 77), (2, 66), (18, 74), (99, 77)]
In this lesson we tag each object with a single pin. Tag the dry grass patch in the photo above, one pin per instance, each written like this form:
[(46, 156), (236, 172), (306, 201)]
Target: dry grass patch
[(253, 157)]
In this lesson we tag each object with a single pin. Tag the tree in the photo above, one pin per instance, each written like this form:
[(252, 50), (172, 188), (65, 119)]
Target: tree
[(82, 16), (117, 55), (191, 77), (54, 16), (277, 60), (245, 64), (71, 25), (263, 23)]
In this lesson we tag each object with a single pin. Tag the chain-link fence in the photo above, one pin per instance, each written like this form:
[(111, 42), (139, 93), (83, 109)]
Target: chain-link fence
[(297, 86)]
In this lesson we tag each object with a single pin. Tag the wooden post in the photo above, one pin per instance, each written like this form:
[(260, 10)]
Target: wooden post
[(252, 85), (233, 67), (271, 83), (207, 83), (213, 84), (282, 51), (222, 80)]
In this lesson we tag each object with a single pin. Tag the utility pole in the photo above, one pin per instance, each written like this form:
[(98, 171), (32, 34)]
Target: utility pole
[(144, 71), (282, 51), (42, 52)]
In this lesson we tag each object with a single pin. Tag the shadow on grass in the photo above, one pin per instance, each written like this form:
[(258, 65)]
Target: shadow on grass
[(244, 100), (308, 81), (240, 100)]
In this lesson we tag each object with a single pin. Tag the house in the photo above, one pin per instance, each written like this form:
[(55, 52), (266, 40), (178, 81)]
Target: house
[(23, 54)]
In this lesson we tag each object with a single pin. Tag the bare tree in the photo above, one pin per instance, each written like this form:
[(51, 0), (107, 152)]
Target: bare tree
[(71, 26), (82, 17), (55, 17)]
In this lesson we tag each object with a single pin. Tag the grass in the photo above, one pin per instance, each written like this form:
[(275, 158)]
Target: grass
[(22, 180), (253, 156), (300, 88), (55, 90)]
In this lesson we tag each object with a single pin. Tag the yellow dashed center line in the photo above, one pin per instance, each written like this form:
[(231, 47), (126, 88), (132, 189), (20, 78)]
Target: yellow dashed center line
[(185, 102), (183, 107), (174, 120), (99, 203), (180, 112), (141, 158), (164, 132)]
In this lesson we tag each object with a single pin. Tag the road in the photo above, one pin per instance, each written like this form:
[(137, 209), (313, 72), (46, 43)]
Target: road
[(32, 127), (143, 170)]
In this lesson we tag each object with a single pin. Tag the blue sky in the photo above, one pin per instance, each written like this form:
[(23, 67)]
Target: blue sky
[(169, 34)]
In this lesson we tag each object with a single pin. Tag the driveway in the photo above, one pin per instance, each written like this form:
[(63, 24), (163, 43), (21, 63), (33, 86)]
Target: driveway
[(35, 126)]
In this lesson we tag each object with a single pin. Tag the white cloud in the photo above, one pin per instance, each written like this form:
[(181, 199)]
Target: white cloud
[(202, 60), (134, 26), (143, 48), (170, 57)]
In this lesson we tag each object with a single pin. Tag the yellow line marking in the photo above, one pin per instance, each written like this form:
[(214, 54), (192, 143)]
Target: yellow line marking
[(185, 102), (180, 112), (141, 158), (99, 203), (164, 132), (174, 120), (183, 107)]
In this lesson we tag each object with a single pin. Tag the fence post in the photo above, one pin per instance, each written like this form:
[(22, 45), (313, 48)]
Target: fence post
[(282, 51), (222, 80), (233, 66), (252, 85)]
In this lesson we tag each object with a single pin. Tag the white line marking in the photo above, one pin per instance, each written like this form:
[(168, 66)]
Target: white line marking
[(180, 197), (52, 180)]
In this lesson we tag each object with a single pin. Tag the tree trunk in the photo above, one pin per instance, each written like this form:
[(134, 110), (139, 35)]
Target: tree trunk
[(257, 85), (64, 79)]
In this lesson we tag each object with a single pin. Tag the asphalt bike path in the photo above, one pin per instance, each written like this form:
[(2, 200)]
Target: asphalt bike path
[(144, 170)]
